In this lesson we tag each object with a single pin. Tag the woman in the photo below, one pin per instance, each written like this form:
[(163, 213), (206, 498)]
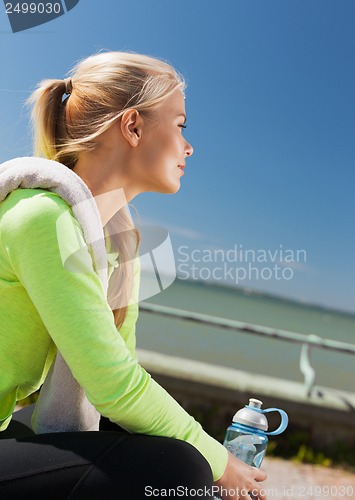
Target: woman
[(115, 129)]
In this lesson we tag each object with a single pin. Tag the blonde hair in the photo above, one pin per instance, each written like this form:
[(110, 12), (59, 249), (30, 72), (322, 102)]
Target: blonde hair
[(101, 88)]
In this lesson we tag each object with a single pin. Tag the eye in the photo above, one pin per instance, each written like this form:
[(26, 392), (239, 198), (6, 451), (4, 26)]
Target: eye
[(182, 126)]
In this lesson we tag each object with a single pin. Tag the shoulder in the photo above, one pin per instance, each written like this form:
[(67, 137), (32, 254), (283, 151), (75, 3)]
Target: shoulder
[(36, 200), (24, 207), (38, 228), (37, 217)]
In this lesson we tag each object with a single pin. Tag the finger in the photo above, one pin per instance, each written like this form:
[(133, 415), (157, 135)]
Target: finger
[(260, 475)]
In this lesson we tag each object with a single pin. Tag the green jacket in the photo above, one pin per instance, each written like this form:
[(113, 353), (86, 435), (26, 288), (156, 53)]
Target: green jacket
[(44, 306)]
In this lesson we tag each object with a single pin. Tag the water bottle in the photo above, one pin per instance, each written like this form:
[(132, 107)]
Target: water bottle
[(246, 438)]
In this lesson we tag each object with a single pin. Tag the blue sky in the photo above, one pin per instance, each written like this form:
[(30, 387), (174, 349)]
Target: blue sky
[(271, 106)]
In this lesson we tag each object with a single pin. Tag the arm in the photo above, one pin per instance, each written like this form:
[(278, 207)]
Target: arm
[(74, 310)]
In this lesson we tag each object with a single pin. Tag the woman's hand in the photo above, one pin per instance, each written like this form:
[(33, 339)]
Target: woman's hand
[(239, 479)]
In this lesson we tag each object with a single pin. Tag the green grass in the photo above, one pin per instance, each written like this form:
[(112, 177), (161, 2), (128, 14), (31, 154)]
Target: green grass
[(298, 446)]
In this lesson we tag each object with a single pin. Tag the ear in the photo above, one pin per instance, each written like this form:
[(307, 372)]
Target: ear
[(131, 126)]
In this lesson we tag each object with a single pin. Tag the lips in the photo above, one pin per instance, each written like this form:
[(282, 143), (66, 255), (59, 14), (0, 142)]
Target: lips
[(181, 167)]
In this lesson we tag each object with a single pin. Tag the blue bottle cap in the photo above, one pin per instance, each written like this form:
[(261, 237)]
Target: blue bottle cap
[(253, 416)]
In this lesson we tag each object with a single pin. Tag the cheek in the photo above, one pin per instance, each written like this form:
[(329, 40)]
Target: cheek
[(163, 150), (152, 156)]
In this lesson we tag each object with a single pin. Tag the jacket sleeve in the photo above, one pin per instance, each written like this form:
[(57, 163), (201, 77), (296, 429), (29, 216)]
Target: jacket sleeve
[(71, 302)]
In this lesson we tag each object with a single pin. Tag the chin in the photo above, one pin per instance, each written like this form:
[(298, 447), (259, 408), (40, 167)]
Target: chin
[(175, 189), (170, 189)]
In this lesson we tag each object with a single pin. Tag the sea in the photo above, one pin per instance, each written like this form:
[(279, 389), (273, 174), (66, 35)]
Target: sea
[(245, 351)]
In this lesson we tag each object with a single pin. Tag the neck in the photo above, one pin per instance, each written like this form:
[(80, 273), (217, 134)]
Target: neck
[(106, 185)]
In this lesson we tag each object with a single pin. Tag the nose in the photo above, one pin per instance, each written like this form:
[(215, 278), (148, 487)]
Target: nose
[(188, 149)]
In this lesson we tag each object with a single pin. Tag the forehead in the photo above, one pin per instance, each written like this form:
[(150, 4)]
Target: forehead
[(175, 104)]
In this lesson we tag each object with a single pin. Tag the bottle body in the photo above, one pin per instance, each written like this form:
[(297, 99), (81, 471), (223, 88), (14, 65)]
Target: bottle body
[(247, 437), (246, 443)]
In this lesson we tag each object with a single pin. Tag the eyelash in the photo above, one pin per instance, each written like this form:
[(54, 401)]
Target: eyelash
[(182, 126)]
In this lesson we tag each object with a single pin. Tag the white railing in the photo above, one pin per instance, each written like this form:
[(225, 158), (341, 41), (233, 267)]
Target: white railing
[(307, 341)]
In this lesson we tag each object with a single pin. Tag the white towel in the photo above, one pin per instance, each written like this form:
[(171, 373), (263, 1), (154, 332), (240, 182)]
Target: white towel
[(62, 405)]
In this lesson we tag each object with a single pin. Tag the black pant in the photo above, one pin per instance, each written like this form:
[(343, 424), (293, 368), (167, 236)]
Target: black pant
[(111, 464)]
